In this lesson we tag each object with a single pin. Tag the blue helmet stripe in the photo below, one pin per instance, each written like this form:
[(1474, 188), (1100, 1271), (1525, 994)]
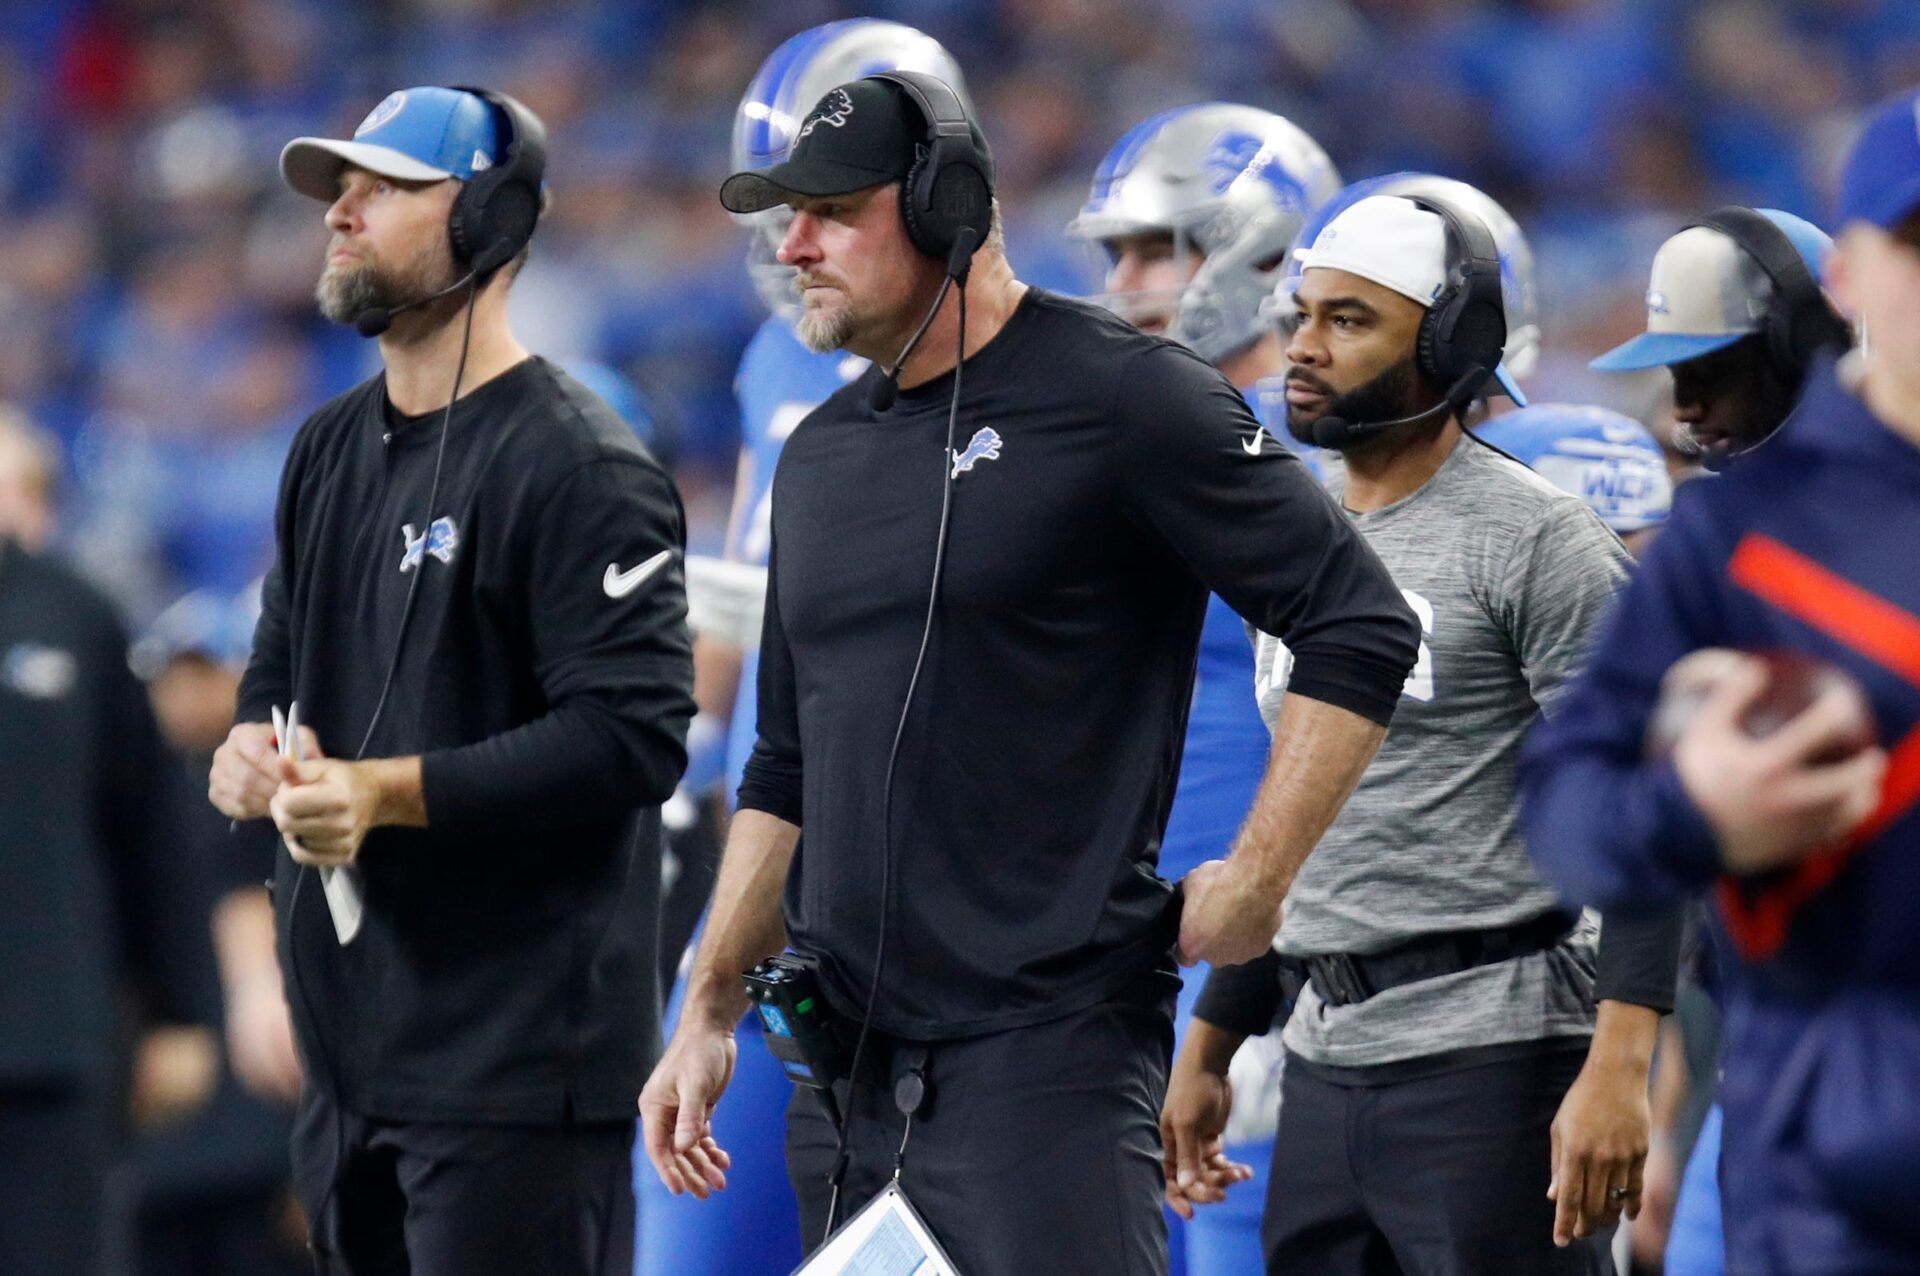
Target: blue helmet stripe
[(785, 65), (1121, 158), (1126, 152)]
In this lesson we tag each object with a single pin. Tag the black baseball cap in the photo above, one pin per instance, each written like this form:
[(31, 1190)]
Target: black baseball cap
[(859, 135)]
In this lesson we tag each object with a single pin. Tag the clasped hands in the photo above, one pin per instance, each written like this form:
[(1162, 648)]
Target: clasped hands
[(322, 806)]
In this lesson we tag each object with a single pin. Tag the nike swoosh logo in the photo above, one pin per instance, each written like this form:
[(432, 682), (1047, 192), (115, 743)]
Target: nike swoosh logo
[(619, 584), (1251, 446)]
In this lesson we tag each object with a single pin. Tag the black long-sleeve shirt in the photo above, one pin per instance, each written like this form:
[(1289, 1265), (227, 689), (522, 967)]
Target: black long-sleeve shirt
[(1104, 482), (88, 867), (505, 968)]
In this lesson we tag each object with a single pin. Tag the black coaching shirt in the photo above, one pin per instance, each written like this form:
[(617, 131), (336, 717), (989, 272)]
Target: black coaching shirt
[(93, 897), (1103, 482), (505, 970)]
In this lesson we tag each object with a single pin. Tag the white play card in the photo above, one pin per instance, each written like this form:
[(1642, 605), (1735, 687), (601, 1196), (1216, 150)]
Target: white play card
[(886, 1238), (342, 885)]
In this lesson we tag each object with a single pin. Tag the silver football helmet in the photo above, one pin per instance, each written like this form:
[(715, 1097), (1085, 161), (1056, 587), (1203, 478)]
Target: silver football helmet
[(792, 79), (1232, 185)]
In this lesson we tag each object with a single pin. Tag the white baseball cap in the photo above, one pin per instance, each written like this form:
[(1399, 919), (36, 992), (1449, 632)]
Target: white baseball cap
[(1397, 244)]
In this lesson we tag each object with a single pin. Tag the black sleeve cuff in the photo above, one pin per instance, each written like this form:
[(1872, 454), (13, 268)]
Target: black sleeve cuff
[(778, 800), (1370, 688), (1244, 999), (1639, 959)]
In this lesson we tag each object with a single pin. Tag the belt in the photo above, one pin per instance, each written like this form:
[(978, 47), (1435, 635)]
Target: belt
[(1346, 979)]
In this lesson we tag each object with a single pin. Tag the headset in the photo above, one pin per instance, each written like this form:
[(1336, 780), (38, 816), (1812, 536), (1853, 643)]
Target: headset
[(496, 210), (946, 204), (1799, 323), (949, 189), (1462, 334)]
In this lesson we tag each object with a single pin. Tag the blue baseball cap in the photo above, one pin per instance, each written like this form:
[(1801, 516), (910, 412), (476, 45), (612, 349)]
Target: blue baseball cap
[(1881, 182), (1706, 293), (1606, 459), (425, 134)]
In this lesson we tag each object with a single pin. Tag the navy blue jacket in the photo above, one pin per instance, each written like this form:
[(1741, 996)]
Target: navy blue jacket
[(1812, 545)]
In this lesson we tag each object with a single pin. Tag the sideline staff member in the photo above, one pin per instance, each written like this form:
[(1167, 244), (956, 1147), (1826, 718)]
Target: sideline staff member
[(1735, 313), (88, 865), (504, 642), (1805, 546), (1102, 481)]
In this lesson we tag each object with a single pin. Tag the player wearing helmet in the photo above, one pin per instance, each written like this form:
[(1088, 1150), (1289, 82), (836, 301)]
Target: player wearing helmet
[(754, 1224), (1735, 312), (1195, 209)]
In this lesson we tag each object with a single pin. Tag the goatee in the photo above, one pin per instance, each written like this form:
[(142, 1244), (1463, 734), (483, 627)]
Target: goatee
[(344, 294), (823, 330)]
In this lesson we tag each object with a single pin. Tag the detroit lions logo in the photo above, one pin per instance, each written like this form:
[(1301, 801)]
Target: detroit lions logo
[(1235, 153), (389, 107), (836, 110), (983, 446), (441, 540)]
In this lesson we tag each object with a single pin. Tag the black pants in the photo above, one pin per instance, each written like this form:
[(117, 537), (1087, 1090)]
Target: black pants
[(1441, 1176), (55, 1156), (418, 1199), (1035, 1150)]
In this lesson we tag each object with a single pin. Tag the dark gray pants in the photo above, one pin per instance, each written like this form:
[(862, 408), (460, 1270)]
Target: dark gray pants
[(1035, 1150), (423, 1199), (1445, 1175)]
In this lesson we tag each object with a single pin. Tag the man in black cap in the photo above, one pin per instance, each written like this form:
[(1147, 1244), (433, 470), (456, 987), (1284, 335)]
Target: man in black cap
[(982, 615)]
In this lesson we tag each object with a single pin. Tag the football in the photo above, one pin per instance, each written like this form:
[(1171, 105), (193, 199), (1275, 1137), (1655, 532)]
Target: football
[(1794, 681)]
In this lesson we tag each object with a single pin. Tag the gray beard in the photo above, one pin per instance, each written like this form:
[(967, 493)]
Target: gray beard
[(344, 294), (821, 331)]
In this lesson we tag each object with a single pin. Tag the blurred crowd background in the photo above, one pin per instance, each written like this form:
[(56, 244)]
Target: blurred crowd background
[(155, 308), (155, 287)]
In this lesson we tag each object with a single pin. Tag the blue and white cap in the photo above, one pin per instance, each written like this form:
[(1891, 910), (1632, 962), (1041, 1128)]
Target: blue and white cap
[(425, 134), (1707, 293), (1606, 459)]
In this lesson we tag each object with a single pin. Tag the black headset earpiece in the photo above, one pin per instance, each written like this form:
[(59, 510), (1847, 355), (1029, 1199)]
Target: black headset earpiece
[(949, 190), (496, 210), (1799, 323), (1464, 332)]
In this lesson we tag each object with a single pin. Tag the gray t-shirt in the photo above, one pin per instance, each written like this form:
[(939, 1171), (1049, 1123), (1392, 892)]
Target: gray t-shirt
[(1510, 577)]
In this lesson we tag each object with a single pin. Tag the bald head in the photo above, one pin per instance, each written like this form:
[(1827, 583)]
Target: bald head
[(29, 475)]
